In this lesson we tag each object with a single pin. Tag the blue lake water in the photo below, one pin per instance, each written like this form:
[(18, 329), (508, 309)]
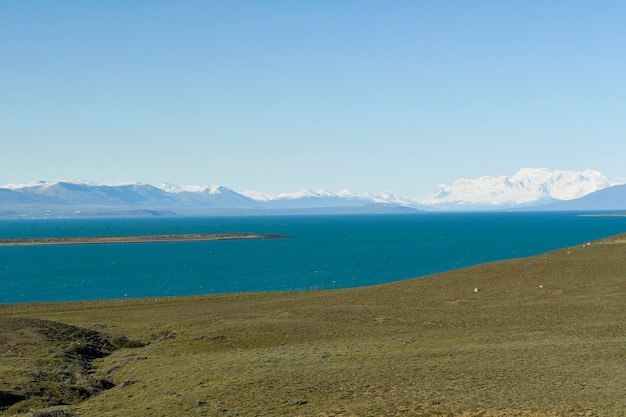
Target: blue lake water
[(322, 252)]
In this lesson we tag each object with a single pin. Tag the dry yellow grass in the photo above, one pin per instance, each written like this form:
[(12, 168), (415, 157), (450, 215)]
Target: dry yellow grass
[(543, 336)]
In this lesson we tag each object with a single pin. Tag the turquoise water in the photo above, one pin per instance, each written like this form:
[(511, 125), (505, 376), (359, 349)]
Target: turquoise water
[(322, 252)]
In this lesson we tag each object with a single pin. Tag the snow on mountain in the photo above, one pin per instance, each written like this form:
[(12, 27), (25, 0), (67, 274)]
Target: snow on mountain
[(391, 198), (38, 185), (324, 198), (527, 186), (263, 196), (26, 185), (209, 196), (68, 198), (175, 189), (306, 199), (260, 195), (75, 192), (321, 193)]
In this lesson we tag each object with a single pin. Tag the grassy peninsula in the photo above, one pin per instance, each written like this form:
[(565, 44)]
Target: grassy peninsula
[(539, 336), (90, 240)]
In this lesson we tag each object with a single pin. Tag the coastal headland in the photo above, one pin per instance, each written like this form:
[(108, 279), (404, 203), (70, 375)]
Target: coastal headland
[(541, 336), (90, 240)]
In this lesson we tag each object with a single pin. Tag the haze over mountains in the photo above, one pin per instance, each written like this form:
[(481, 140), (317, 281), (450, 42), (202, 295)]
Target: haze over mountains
[(529, 188)]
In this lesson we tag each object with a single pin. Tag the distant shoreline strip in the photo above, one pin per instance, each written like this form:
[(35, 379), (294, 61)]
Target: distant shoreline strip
[(94, 240)]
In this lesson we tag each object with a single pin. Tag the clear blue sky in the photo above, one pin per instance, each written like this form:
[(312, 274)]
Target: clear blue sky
[(279, 96)]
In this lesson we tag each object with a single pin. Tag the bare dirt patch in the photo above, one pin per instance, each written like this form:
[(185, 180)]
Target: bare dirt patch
[(47, 363)]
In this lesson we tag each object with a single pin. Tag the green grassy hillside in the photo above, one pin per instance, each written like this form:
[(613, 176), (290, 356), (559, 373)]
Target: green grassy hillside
[(542, 336)]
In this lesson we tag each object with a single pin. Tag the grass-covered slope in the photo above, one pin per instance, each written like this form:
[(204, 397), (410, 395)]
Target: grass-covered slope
[(542, 336)]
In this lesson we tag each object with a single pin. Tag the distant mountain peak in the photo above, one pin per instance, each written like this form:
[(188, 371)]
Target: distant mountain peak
[(526, 186)]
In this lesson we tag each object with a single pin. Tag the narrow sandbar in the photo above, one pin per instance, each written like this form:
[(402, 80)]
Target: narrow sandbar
[(91, 240)]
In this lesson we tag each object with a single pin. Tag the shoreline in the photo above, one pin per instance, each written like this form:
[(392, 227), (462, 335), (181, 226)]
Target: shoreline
[(604, 215), (310, 353), (168, 238)]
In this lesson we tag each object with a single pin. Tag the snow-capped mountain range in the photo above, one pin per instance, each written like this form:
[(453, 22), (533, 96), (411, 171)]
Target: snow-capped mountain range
[(529, 187)]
